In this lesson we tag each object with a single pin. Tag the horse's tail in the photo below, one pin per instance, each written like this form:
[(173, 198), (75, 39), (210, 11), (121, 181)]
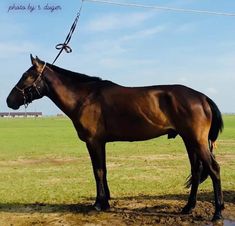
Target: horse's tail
[(216, 127), (217, 124)]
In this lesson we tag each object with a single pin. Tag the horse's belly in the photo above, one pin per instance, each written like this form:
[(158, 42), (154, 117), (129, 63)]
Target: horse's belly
[(136, 132)]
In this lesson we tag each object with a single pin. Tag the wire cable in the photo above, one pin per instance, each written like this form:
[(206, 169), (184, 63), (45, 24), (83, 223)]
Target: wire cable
[(163, 8)]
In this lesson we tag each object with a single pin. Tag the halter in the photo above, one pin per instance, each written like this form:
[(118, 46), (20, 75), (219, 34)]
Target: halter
[(34, 85)]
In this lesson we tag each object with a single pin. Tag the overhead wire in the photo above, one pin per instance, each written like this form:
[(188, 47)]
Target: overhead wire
[(155, 7)]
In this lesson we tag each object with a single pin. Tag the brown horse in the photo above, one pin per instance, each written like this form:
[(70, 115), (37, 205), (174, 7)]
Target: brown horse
[(103, 111)]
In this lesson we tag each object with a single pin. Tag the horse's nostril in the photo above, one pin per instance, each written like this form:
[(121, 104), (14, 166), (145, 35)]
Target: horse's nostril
[(8, 102)]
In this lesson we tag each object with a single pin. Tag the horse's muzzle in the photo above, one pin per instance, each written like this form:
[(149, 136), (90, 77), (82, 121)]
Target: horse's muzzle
[(11, 104)]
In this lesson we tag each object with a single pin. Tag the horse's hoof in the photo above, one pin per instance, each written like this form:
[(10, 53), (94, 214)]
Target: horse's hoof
[(187, 210), (217, 217), (99, 206)]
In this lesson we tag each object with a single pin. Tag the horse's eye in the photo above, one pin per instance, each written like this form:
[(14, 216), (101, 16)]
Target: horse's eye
[(25, 75)]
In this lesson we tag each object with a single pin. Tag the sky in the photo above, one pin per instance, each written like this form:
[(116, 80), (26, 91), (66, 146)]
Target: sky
[(127, 45)]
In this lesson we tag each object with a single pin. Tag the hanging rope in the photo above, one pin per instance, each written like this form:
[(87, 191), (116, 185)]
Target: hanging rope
[(68, 49), (64, 46), (163, 8)]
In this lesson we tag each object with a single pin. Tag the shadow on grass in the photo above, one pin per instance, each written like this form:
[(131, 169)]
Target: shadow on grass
[(86, 207), (229, 197)]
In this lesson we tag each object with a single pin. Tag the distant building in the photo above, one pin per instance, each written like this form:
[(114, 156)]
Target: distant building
[(20, 114), (60, 115)]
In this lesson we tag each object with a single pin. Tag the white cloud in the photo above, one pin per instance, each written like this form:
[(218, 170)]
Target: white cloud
[(117, 20), (11, 49), (145, 33), (227, 60), (189, 27), (211, 90), (118, 45), (12, 29), (183, 79), (110, 47)]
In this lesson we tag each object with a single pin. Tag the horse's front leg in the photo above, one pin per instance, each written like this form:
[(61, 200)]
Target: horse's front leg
[(97, 153)]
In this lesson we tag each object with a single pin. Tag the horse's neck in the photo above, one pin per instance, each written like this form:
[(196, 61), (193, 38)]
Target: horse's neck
[(65, 92)]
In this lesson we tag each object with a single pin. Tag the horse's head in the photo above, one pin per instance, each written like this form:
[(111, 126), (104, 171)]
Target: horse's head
[(31, 86)]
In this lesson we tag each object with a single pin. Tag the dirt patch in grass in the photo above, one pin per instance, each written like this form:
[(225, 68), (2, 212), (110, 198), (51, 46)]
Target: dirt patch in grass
[(140, 210), (53, 161)]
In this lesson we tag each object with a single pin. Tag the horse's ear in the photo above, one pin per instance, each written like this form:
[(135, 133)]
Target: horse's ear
[(36, 62), (37, 58), (33, 60)]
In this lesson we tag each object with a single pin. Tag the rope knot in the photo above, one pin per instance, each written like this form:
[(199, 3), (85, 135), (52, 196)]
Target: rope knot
[(63, 46)]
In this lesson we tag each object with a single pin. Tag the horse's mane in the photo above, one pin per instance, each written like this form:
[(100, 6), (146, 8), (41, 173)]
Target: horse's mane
[(79, 76)]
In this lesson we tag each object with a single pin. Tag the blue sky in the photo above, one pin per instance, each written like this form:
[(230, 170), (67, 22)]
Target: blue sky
[(130, 46)]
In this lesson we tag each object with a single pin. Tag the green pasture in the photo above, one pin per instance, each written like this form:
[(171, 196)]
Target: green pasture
[(43, 161)]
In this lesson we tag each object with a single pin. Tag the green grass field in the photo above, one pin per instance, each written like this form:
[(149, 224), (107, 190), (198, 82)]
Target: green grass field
[(43, 161)]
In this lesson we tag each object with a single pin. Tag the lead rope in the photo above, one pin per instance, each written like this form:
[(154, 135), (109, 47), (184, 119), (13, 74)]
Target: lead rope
[(64, 46)]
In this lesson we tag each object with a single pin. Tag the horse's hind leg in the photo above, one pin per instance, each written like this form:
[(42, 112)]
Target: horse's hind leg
[(213, 168), (215, 176), (196, 169)]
